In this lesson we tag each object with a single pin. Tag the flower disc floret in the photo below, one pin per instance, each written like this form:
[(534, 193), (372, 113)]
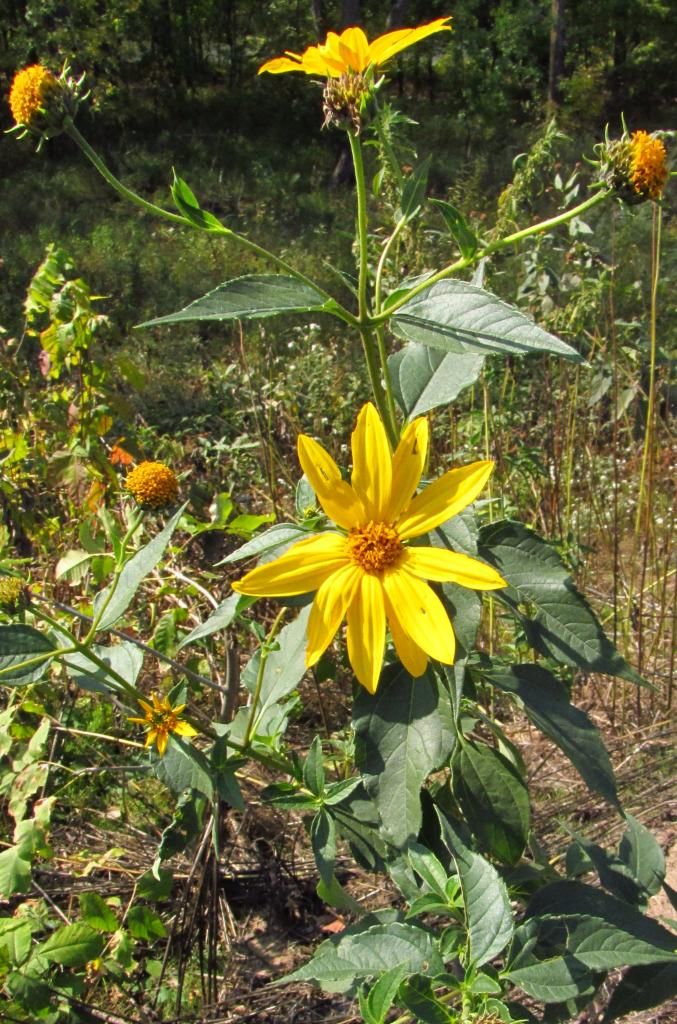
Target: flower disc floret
[(364, 569), (351, 52), (648, 169), (12, 593), (161, 719), (152, 484), (30, 92)]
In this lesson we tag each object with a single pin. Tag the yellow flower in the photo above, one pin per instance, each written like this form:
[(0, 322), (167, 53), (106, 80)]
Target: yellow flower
[(351, 51), (29, 92), (161, 719), (648, 170), (153, 484), (365, 570)]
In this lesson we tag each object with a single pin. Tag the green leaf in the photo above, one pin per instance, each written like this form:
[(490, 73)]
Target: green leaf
[(188, 207), (485, 897), (183, 767), (366, 950), (642, 854), (459, 317), (124, 657), (284, 669), (375, 1003), (25, 654), (424, 377), (15, 872), (219, 619), (413, 191), (564, 627), (313, 768), (546, 702), (400, 738), (251, 297), (143, 923), (553, 980), (152, 887), (15, 939), (416, 995), (642, 988), (458, 228), (601, 931), (429, 869), (133, 574), (72, 946), (323, 840), (29, 991), (267, 543), (96, 912), (494, 799)]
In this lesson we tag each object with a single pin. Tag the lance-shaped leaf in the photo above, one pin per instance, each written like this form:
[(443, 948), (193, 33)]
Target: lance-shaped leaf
[(485, 897), (459, 317), (24, 654), (116, 603), (642, 988), (219, 619), (546, 701), (401, 737), (267, 545), (125, 658), (424, 377), (284, 669), (494, 799), (560, 623), (251, 298)]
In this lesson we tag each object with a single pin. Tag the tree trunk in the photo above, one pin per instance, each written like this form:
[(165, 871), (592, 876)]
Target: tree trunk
[(399, 14), (350, 13), (557, 53), (319, 18)]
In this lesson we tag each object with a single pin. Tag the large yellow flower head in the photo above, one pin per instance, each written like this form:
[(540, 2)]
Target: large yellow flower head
[(351, 51), (161, 719), (29, 93), (153, 484), (648, 169), (364, 569)]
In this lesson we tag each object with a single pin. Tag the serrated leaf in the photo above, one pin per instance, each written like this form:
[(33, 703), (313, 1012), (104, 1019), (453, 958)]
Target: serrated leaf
[(413, 191), (267, 543), (400, 738), (381, 996), (554, 980), (71, 946), (15, 939), (25, 654), (641, 852), (546, 702), (219, 619), (458, 227), (642, 988), (323, 841), (313, 768), (366, 950), (143, 923), (564, 627), (124, 657), (188, 206), (494, 800), (133, 574), (251, 297), (487, 907), (424, 378), (184, 767), (455, 316), (15, 872), (429, 869), (96, 912)]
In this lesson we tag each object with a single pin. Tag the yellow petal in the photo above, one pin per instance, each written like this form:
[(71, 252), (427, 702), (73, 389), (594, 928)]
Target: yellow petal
[(443, 499), (184, 729), (329, 608), (444, 566), (300, 570), (408, 462), (162, 738), (372, 463), (354, 49), (151, 737), (386, 46), (337, 497), (410, 654), (367, 631), (323, 60), (138, 721), (420, 614), (278, 65)]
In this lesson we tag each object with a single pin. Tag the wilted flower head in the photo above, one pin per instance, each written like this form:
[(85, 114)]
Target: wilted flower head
[(634, 165), (13, 594), (153, 484), (161, 719)]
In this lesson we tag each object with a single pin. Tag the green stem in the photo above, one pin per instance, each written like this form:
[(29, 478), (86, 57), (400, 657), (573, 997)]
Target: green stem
[(336, 308), (265, 651), (648, 435), (378, 281), (493, 247)]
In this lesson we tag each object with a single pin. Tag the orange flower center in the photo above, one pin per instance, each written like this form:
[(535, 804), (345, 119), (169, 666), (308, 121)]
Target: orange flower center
[(374, 547)]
